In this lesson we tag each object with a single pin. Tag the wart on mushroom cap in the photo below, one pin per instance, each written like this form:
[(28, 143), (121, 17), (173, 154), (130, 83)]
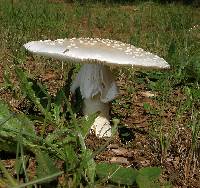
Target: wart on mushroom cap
[(95, 80)]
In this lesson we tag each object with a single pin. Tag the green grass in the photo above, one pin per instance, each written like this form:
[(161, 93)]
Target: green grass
[(171, 31)]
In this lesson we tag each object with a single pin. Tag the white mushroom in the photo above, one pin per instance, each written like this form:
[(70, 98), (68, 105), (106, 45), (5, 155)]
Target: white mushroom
[(94, 79)]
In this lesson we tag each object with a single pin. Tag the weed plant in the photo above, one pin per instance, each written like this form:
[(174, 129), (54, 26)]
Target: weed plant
[(171, 31)]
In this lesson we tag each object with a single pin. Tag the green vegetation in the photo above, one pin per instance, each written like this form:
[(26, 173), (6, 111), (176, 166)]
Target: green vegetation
[(50, 143)]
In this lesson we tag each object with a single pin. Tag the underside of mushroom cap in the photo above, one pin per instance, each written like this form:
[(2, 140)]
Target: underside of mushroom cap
[(105, 51)]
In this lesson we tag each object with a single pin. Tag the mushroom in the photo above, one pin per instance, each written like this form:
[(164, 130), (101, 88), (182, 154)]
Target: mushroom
[(95, 80)]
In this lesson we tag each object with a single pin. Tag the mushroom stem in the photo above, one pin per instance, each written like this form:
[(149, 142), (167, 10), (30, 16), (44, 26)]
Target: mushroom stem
[(97, 88), (101, 125)]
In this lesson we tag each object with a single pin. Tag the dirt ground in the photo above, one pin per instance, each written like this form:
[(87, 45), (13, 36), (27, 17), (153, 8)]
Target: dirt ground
[(135, 143)]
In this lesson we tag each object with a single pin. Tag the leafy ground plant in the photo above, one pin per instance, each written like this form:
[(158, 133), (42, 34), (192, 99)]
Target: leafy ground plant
[(158, 111), (65, 144)]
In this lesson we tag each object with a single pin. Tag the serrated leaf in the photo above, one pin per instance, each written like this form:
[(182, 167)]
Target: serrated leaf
[(71, 156), (90, 166), (41, 93), (45, 165), (60, 97), (116, 173), (58, 105), (58, 135), (11, 124), (26, 87)]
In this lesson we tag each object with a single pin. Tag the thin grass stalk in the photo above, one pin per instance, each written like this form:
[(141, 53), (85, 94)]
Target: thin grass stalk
[(40, 180)]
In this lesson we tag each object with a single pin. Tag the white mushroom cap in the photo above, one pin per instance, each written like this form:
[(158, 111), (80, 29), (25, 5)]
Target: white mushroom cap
[(109, 52)]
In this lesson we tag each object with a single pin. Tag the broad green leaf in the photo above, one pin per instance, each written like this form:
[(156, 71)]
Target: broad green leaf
[(152, 173), (86, 123), (116, 173), (144, 182)]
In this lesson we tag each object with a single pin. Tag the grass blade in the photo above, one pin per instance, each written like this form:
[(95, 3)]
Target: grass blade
[(40, 180)]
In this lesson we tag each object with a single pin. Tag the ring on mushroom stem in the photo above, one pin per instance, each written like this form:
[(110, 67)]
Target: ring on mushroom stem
[(95, 79)]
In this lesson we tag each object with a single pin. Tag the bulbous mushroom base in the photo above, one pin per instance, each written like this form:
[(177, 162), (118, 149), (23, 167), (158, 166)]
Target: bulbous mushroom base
[(101, 125)]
